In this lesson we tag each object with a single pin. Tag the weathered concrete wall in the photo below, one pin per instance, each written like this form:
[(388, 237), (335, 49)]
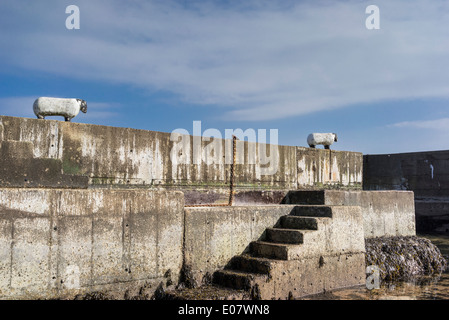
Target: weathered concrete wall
[(385, 213), (122, 157), (318, 168), (424, 173), (59, 243), (331, 257), (19, 169)]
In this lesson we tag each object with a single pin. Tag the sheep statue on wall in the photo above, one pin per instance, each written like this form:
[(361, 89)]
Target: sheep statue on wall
[(325, 139), (67, 108)]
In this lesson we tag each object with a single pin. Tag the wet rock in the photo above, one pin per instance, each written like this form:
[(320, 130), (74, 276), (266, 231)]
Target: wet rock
[(93, 296), (404, 258)]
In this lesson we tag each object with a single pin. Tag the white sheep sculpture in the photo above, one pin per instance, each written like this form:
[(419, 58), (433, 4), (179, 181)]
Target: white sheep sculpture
[(325, 139), (67, 108)]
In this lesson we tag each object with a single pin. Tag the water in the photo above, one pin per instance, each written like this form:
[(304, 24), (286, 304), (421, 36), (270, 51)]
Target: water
[(425, 288)]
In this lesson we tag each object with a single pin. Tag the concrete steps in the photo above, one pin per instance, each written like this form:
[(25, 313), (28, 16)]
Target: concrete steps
[(303, 197), (312, 211), (273, 250), (239, 280), (250, 263), (285, 241), (281, 243), (289, 236), (297, 222), (288, 258)]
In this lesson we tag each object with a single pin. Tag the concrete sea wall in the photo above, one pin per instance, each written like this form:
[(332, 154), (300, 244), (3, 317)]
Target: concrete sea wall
[(59, 243), (123, 157), (87, 208), (424, 173)]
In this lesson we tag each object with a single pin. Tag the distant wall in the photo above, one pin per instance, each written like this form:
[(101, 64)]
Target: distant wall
[(58, 243), (424, 173), (122, 157)]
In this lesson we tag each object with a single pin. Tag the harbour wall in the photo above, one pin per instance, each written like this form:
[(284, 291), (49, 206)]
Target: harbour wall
[(87, 208), (424, 173)]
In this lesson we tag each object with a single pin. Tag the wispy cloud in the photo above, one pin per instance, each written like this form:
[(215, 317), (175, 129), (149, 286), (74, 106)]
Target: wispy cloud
[(437, 124), (256, 60)]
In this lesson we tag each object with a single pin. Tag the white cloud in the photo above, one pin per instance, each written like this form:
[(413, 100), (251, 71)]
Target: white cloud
[(437, 124), (259, 60)]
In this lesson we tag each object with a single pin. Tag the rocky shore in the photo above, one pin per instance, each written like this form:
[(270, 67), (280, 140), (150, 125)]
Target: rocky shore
[(404, 258)]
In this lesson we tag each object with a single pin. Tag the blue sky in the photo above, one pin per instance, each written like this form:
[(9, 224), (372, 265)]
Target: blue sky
[(295, 66)]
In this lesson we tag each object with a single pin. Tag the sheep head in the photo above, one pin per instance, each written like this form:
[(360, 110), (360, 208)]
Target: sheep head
[(83, 105)]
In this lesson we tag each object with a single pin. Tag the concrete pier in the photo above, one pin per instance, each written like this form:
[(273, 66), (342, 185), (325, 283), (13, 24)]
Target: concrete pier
[(87, 209)]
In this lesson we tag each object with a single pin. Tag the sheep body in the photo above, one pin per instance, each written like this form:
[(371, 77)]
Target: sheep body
[(67, 108), (325, 139)]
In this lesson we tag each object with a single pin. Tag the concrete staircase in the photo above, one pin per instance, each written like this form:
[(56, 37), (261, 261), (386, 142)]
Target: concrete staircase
[(286, 241), (295, 257)]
